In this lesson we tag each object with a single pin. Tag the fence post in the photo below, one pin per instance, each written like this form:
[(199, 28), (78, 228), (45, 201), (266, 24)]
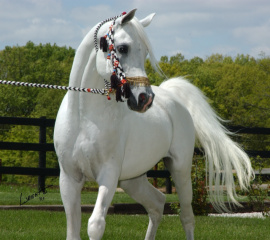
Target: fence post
[(155, 179), (42, 155), (168, 186), (0, 173)]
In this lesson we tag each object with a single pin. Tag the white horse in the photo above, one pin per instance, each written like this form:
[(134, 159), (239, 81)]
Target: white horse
[(115, 143)]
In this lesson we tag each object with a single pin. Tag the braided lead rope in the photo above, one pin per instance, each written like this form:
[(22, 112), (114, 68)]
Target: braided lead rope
[(106, 91)]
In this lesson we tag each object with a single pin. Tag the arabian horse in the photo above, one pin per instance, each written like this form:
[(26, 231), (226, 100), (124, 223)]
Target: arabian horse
[(117, 135)]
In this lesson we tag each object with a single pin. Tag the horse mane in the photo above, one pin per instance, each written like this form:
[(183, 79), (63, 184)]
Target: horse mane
[(143, 36)]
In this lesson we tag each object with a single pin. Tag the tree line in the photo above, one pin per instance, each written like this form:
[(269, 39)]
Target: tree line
[(238, 89)]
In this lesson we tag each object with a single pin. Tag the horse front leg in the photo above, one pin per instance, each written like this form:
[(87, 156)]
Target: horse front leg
[(107, 180), (71, 197)]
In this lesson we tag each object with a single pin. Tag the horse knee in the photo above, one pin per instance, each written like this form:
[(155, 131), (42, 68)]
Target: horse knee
[(96, 228), (155, 211), (160, 205)]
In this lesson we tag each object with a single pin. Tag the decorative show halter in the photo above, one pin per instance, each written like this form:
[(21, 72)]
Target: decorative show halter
[(120, 84)]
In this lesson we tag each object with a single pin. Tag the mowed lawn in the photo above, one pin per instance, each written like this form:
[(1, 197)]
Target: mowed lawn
[(25, 225), (29, 224), (13, 195)]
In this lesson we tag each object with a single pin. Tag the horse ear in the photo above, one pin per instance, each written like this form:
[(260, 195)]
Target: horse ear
[(127, 17), (146, 21)]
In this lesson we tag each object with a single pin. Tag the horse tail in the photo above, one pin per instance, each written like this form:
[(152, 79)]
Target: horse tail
[(222, 154)]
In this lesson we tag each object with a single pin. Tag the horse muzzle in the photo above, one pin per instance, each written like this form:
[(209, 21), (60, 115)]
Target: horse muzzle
[(141, 99)]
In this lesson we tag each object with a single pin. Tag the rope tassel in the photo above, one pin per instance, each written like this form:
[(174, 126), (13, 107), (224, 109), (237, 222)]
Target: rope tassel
[(103, 44), (114, 81), (126, 90), (118, 94)]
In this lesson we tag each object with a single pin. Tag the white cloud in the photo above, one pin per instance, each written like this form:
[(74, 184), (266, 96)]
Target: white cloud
[(256, 51), (40, 21), (92, 15), (256, 37), (23, 9), (254, 34), (184, 18), (225, 50), (192, 27), (43, 30)]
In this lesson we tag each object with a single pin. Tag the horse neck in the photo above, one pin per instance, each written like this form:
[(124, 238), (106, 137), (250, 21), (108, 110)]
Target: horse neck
[(96, 107), (84, 74)]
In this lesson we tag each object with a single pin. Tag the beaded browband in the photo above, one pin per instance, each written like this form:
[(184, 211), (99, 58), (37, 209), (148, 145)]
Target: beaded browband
[(120, 84)]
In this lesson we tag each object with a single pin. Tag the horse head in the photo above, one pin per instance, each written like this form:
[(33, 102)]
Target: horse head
[(121, 53)]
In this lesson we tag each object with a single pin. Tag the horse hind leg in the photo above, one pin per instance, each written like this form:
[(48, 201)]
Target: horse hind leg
[(152, 200), (182, 179)]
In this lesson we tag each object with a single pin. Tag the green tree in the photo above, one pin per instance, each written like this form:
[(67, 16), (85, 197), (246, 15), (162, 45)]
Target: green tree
[(48, 64)]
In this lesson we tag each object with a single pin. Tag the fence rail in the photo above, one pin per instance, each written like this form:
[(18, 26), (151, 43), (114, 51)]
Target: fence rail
[(42, 147)]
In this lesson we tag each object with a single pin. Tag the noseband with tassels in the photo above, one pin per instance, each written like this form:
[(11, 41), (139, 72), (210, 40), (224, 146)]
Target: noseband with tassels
[(120, 84)]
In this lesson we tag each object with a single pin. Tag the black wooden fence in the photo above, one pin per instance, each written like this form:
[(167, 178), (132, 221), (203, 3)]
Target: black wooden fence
[(42, 147)]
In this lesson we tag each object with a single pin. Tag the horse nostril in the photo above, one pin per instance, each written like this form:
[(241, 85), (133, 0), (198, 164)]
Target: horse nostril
[(142, 98)]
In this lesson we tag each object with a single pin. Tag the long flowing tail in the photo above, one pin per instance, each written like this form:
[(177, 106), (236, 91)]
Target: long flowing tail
[(221, 153)]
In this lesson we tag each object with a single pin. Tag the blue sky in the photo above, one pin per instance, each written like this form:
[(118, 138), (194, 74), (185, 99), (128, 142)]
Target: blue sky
[(191, 27)]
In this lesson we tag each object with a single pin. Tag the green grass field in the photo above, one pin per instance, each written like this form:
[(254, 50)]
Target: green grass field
[(11, 195), (29, 224), (25, 225)]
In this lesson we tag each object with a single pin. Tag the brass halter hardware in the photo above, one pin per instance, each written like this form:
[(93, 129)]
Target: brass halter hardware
[(138, 81)]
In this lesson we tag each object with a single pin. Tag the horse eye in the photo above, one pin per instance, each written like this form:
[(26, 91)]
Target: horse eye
[(123, 49)]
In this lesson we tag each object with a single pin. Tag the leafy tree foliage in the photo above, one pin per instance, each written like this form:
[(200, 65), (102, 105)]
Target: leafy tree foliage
[(238, 89), (47, 64)]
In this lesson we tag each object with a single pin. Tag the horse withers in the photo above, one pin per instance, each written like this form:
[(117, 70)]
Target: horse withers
[(116, 139)]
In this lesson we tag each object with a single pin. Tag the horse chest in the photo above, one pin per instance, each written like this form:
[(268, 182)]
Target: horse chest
[(135, 145), (96, 146), (146, 144)]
